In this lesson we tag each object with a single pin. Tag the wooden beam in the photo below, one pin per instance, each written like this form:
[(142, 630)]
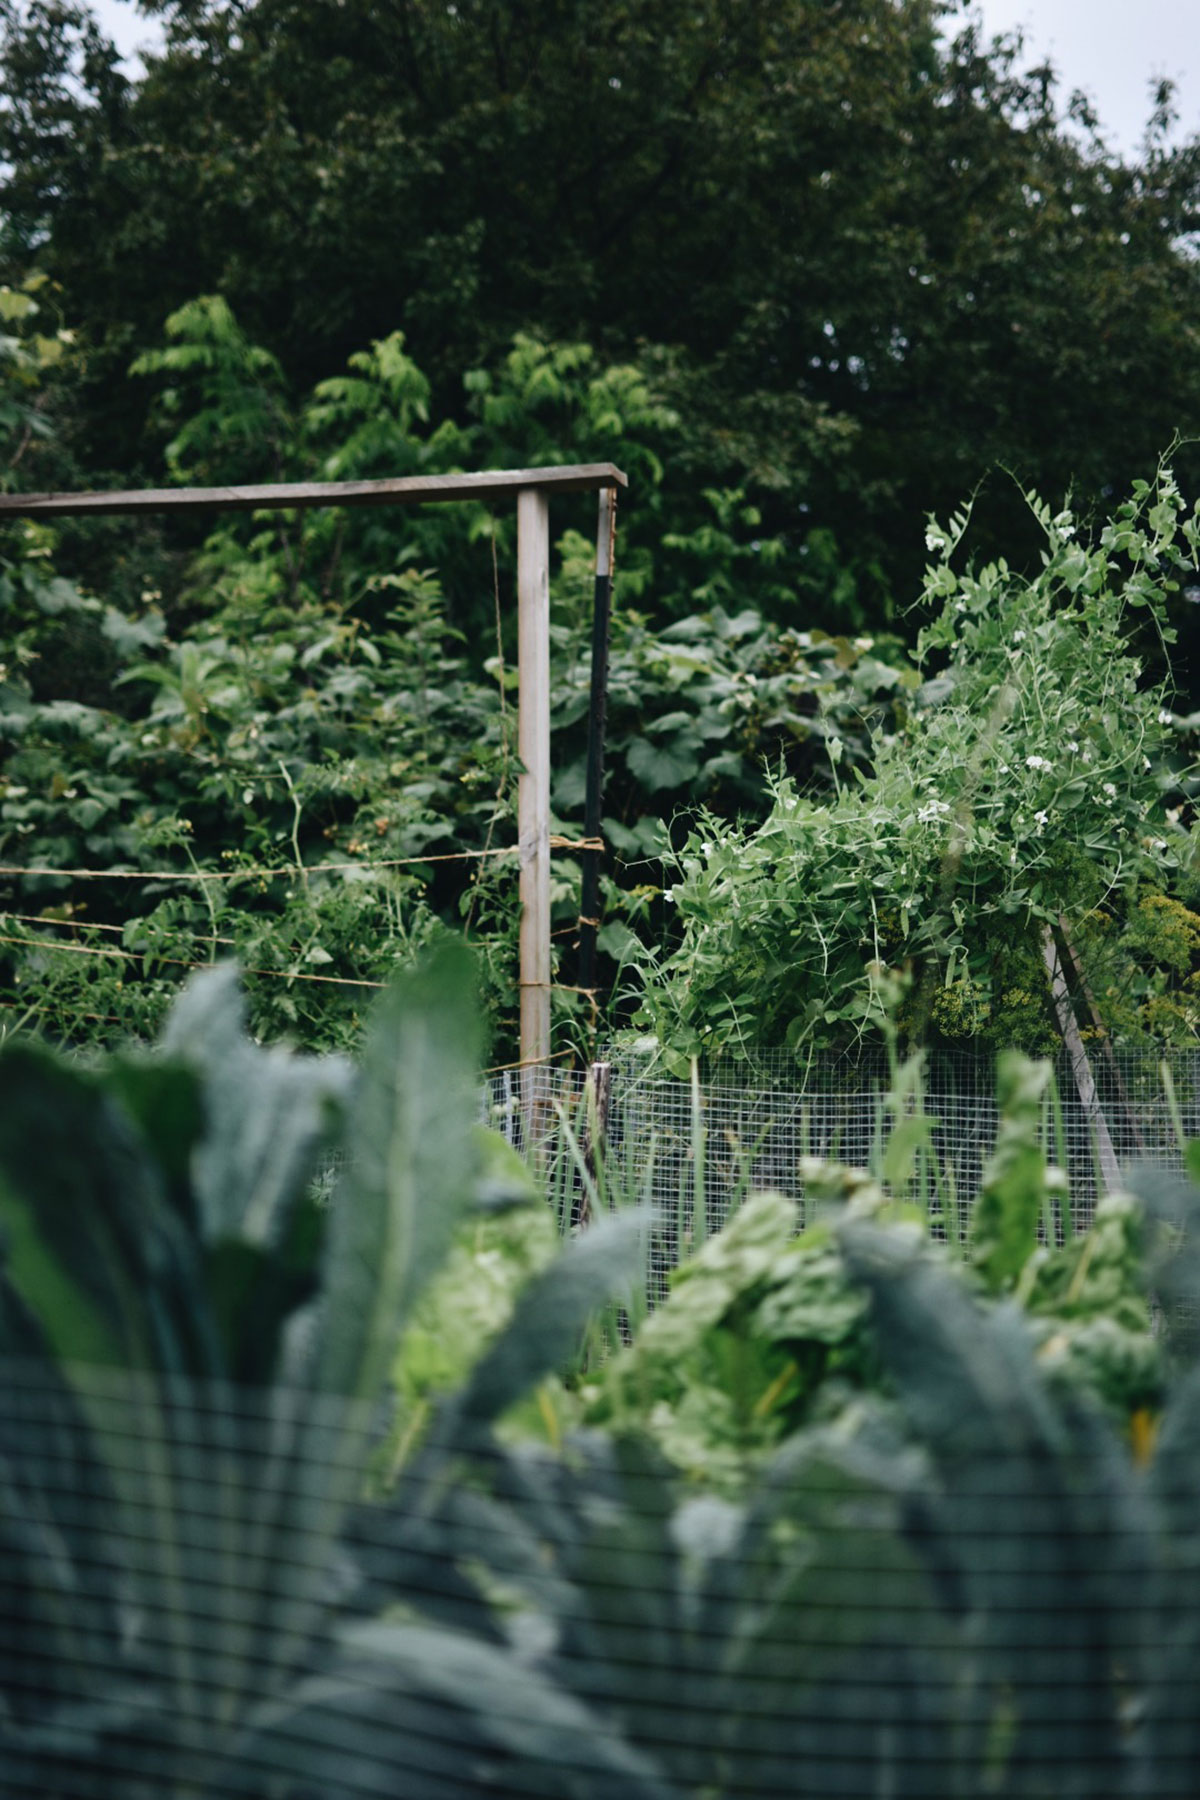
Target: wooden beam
[(1102, 1034), (1081, 1069), (407, 490), (533, 788)]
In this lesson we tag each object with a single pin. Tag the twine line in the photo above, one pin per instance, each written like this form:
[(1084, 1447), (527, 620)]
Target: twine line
[(294, 871)]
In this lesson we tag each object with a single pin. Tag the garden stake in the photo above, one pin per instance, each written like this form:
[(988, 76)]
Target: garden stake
[(1081, 1069)]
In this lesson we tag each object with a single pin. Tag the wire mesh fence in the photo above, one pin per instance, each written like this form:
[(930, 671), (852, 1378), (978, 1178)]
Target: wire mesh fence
[(692, 1149)]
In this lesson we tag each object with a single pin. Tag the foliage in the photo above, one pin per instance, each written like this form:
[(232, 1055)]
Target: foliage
[(864, 254), (307, 701), (28, 356), (765, 1329), (470, 1300), (1022, 786), (972, 1565), (755, 1321), (193, 1348), (306, 698), (965, 1588)]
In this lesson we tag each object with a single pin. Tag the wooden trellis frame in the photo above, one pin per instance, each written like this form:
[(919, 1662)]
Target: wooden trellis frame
[(531, 489)]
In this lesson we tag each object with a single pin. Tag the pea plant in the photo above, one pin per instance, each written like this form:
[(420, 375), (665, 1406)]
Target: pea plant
[(1023, 785)]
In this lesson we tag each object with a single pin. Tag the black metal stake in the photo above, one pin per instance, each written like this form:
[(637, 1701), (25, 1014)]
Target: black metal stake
[(589, 899)]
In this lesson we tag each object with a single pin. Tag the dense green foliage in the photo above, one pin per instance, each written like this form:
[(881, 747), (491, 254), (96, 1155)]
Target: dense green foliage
[(1023, 787), (305, 701), (911, 273), (193, 1347), (860, 252), (955, 1581), (303, 709), (323, 1468)]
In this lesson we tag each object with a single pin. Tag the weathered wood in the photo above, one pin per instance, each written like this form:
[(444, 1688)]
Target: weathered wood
[(1081, 1068), (407, 490), (1102, 1033), (533, 788), (593, 1134), (531, 487)]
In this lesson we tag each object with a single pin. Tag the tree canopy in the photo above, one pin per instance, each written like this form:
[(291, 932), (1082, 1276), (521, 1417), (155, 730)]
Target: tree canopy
[(863, 255)]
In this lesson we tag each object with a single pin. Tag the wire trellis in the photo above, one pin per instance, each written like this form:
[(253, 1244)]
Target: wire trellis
[(692, 1150)]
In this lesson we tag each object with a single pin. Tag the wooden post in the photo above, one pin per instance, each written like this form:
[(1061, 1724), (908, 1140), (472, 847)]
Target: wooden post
[(1102, 1036), (533, 788), (1081, 1069), (532, 488), (593, 1131)]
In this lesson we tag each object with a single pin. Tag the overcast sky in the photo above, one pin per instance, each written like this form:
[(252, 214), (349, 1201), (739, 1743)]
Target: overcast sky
[(1113, 49)]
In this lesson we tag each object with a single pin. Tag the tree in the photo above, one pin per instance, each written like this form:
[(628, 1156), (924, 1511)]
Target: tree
[(865, 263)]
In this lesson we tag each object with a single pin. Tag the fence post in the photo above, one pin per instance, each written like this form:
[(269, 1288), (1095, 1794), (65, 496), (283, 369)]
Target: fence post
[(1081, 1069), (533, 787), (593, 1135)]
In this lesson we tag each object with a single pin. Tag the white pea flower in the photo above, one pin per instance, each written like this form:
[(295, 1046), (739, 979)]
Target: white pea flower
[(935, 539), (1038, 762), (1040, 818), (1109, 790), (1018, 637), (933, 809), (1165, 717), (1145, 762), (669, 896), (864, 643), (1072, 744), (708, 850)]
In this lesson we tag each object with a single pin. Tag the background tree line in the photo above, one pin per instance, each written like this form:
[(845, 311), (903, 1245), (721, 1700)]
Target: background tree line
[(812, 272), (861, 254)]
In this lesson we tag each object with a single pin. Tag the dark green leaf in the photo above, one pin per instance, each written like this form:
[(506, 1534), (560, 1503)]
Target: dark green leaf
[(413, 1167)]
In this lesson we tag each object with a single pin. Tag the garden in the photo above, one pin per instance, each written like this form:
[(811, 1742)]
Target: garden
[(790, 1383), (389, 1490)]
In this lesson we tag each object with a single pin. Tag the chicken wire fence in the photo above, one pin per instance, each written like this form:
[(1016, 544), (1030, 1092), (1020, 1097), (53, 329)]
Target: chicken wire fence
[(693, 1149)]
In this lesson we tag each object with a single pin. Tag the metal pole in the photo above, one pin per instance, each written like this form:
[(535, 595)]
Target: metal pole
[(589, 899), (533, 788)]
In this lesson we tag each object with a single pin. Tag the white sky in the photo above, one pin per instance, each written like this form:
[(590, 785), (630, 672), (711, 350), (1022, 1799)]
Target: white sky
[(1112, 49), (127, 29)]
